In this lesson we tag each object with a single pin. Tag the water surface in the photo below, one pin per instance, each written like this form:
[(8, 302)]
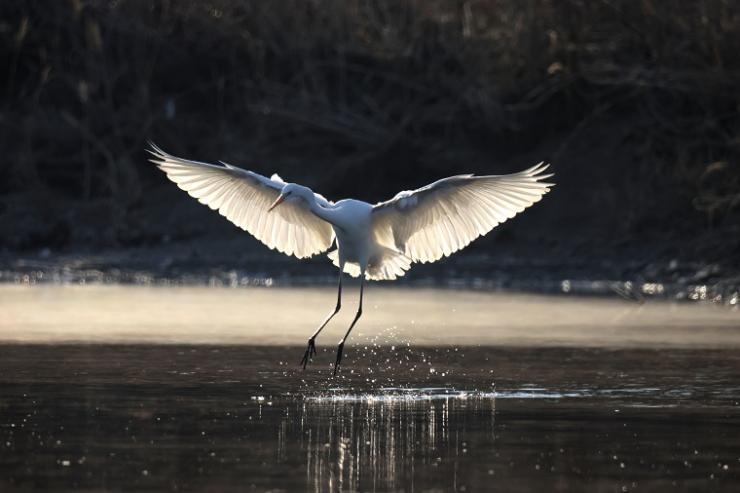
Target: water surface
[(187, 390)]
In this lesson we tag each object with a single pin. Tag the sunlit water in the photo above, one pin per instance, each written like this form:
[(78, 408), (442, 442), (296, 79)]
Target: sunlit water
[(620, 412)]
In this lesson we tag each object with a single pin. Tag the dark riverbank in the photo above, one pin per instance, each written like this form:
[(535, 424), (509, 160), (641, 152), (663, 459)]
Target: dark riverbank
[(634, 104)]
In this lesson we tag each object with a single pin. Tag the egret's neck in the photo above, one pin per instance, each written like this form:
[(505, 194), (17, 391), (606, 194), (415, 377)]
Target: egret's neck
[(320, 211), (317, 209)]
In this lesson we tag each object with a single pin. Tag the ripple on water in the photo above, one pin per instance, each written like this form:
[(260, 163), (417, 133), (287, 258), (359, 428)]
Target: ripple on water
[(401, 395), (396, 394)]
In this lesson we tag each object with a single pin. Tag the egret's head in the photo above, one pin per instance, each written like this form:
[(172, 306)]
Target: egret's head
[(291, 192)]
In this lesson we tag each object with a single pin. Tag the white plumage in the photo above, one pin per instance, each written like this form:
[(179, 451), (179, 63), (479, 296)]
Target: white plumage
[(439, 219), (378, 241), (243, 197)]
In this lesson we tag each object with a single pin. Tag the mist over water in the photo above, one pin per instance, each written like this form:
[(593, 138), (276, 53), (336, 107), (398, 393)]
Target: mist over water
[(392, 316)]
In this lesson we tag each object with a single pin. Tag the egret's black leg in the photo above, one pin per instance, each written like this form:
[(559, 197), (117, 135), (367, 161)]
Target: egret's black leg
[(340, 348), (311, 348)]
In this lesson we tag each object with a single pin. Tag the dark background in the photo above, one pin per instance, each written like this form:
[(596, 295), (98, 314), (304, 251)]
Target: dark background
[(635, 103)]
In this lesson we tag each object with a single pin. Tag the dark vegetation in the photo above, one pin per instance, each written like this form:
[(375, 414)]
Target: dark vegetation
[(635, 102)]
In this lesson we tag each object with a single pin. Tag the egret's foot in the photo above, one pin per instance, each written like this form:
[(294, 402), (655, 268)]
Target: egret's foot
[(309, 354), (340, 350)]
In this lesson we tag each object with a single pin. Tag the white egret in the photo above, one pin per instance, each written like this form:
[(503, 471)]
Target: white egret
[(374, 242)]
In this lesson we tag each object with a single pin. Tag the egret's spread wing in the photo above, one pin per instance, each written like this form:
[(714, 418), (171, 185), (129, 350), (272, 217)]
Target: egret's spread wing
[(441, 218), (243, 197)]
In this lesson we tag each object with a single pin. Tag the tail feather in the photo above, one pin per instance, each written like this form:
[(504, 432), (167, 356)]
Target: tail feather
[(386, 265), (351, 268)]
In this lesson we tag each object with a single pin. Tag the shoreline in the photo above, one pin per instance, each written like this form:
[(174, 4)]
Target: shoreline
[(198, 264)]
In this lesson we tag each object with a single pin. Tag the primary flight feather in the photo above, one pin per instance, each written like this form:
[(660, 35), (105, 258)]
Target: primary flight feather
[(376, 242)]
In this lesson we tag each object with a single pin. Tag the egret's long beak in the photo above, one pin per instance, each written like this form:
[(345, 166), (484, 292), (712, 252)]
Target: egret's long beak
[(277, 202)]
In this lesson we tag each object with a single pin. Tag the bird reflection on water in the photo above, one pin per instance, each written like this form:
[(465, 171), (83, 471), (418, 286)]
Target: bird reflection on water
[(382, 441)]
